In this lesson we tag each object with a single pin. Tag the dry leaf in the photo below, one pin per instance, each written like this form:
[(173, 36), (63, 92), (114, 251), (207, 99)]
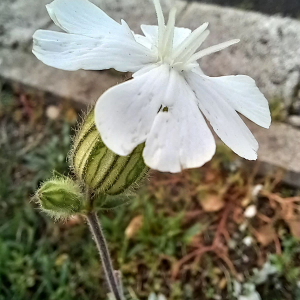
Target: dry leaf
[(223, 283), (212, 203), (265, 235), (246, 201), (134, 226)]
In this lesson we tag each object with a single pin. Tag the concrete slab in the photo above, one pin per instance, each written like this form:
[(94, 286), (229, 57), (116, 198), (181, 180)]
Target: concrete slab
[(81, 87), (269, 50), (19, 19), (279, 150)]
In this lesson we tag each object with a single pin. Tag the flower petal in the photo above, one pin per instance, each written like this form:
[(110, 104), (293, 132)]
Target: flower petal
[(143, 41), (179, 137), (180, 34), (125, 113), (224, 119), (244, 96), (81, 17), (72, 52)]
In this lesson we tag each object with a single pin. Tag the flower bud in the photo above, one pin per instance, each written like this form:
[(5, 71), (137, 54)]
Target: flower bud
[(60, 197), (99, 168)]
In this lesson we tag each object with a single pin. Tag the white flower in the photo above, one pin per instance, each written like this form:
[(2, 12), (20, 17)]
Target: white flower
[(163, 104)]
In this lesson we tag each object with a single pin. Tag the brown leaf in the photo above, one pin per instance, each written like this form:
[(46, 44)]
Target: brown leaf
[(212, 203), (134, 226), (265, 234)]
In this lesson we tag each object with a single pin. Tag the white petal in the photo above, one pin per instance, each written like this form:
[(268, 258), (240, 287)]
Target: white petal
[(179, 137), (145, 69), (143, 41), (125, 113), (150, 32), (224, 119), (72, 52), (81, 17), (180, 34), (244, 96)]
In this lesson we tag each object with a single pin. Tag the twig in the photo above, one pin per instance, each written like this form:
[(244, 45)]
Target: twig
[(279, 199), (215, 247)]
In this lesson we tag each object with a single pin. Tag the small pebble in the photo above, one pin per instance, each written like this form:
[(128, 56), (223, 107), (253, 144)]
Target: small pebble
[(243, 226), (52, 112), (248, 241), (294, 121), (232, 244), (245, 258), (250, 211)]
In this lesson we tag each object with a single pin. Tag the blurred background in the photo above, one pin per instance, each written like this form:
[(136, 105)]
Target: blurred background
[(229, 230), (282, 7)]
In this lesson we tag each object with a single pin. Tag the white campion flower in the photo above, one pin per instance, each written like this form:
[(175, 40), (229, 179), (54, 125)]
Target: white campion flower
[(163, 105)]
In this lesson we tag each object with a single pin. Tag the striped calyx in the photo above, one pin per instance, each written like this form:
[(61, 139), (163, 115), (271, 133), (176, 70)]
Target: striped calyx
[(99, 168)]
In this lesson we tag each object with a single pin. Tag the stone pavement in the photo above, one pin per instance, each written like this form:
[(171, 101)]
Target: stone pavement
[(269, 52)]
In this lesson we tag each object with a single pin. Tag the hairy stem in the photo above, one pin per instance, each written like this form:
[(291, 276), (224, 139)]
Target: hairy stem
[(100, 241)]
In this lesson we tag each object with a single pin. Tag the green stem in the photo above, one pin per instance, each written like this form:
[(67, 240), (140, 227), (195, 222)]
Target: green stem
[(100, 241)]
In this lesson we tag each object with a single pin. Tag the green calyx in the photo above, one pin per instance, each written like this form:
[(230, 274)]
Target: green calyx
[(60, 198), (99, 168)]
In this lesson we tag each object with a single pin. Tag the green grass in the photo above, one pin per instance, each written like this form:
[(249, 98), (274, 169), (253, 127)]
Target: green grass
[(41, 259)]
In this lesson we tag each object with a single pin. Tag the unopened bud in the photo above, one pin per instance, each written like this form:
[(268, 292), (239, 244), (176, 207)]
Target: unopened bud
[(99, 168), (60, 197)]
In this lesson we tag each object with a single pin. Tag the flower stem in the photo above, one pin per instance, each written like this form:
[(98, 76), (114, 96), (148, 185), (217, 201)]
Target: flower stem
[(100, 241)]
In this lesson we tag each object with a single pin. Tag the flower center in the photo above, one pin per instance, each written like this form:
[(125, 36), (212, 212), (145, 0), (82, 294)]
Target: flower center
[(179, 57)]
